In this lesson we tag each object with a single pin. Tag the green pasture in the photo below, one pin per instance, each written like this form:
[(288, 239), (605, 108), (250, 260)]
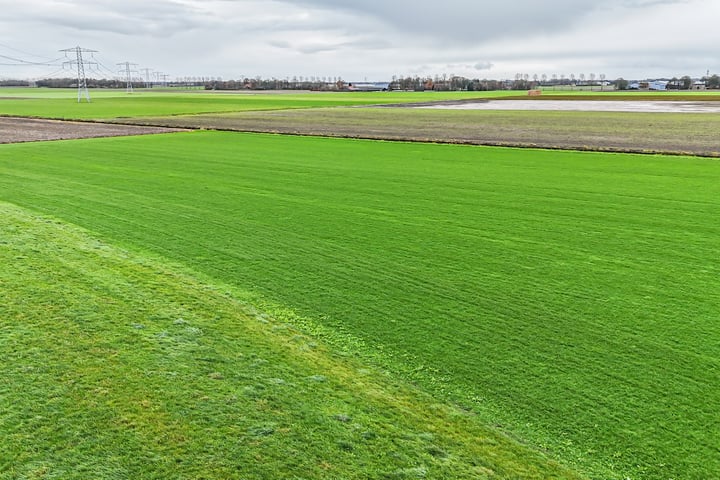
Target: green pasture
[(113, 104), (118, 365), (569, 299), (109, 104)]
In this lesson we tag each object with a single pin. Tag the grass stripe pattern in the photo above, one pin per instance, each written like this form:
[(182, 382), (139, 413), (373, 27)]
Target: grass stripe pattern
[(569, 298)]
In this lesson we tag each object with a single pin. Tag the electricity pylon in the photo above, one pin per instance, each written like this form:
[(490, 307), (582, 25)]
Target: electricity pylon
[(162, 78), (128, 74), (147, 77), (80, 62)]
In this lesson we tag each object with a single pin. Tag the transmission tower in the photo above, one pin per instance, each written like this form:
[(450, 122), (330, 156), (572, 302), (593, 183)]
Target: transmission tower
[(147, 77), (128, 74), (80, 62)]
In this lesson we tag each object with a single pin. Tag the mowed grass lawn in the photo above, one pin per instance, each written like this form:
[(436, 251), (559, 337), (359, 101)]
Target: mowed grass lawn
[(123, 366), (568, 298)]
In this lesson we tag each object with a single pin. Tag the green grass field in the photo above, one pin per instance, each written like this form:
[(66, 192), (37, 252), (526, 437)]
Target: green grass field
[(108, 104), (119, 365), (568, 298), (111, 104)]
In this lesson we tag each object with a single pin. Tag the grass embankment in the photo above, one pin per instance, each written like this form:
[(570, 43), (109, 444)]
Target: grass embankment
[(117, 365), (569, 297), (63, 104)]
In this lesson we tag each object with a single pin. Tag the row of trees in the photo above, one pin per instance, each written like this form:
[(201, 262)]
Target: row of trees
[(686, 83), (416, 83), (710, 82), (72, 83), (13, 83), (294, 83), (521, 82)]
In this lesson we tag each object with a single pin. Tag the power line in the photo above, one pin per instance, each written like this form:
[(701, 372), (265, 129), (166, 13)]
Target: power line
[(50, 75), (24, 52), (21, 62), (147, 76), (108, 70), (163, 76)]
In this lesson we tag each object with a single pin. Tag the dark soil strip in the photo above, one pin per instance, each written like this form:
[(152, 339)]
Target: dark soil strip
[(16, 130)]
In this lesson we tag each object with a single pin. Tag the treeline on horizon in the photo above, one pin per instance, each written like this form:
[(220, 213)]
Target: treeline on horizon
[(416, 83)]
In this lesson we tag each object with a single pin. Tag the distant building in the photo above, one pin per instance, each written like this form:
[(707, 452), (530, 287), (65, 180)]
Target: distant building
[(369, 86), (656, 85), (659, 85)]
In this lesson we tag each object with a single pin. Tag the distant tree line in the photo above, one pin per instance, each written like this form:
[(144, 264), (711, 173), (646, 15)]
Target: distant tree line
[(294, 83), (686, 83), (91, 83), (412, 83), (436, 83), (14, 83), (520, 82)]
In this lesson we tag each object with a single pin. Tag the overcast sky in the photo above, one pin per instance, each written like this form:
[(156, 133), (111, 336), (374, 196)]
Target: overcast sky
[(369, 39)]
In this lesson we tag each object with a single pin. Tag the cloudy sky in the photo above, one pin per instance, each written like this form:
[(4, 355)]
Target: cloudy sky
[(368, 39)]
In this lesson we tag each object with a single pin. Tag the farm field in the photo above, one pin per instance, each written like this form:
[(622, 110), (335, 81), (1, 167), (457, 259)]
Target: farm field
[(692, 133), (566, 298), (109, 104), (327, 114), (112, 104)]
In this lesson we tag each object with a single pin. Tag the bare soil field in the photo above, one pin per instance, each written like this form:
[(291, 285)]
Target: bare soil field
[(16, 130), (657, 132)]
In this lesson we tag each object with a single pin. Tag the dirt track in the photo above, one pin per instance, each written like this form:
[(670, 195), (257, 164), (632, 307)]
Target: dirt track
[(16, 130)]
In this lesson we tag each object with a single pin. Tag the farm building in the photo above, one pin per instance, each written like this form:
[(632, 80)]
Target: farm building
[(369, 86), (657, 85)]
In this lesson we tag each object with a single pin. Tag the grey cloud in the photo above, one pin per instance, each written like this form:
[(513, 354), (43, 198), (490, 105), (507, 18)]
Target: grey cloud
[(161, 18), (467, 67), (303, 48), (322, 47), (280, 44), (372, 37), (649, 3), (459, 21), (483, 66)]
